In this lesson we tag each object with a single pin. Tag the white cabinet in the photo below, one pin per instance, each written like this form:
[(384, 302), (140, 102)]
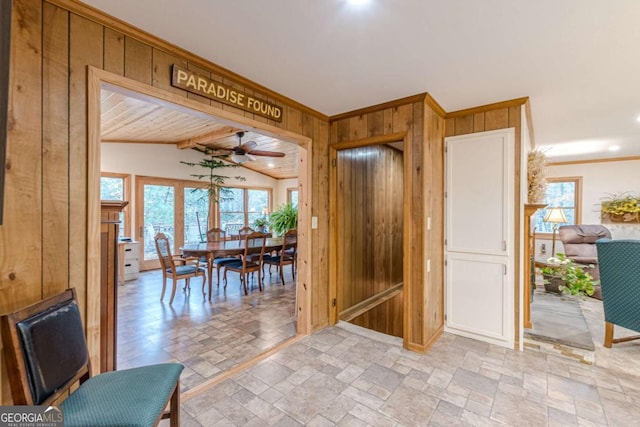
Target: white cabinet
[(480, 237), (130, 263)]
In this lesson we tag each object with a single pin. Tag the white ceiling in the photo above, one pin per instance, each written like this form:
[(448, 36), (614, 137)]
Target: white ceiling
[(577, 60)]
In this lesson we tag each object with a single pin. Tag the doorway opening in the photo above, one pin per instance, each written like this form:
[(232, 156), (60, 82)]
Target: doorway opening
[(100, 81), (368, 213)]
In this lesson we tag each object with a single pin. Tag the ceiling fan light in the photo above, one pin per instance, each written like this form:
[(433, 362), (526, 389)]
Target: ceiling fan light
[(239, 158)]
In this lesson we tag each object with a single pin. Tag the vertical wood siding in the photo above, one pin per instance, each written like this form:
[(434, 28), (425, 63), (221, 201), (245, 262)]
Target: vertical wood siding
[(44, 236)]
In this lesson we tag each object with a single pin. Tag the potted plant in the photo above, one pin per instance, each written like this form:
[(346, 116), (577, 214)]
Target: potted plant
[(261, 224), (621, 208), (562, 274), (283, 219)]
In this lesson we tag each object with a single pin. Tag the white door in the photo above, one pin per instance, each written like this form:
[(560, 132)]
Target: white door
[(479, 236)]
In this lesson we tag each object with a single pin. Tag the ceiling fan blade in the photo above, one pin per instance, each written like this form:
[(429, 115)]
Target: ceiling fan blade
[(248, 146), (250, 157), (266, 153)]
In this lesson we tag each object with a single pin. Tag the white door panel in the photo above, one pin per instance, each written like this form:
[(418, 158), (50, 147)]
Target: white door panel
[(479, 236), (476, 195), (476, 283)]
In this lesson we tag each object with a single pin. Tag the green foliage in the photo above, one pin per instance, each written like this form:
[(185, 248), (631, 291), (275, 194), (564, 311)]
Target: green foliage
[(215, 182), (576, 280), (284, 218), (260, 223)]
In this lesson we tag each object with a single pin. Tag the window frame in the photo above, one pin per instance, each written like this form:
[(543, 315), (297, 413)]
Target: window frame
[(126, 191), (290, 191), (577, 200), (245, 196)]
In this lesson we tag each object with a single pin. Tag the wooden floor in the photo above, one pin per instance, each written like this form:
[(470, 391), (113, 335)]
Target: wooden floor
[(208, 337)]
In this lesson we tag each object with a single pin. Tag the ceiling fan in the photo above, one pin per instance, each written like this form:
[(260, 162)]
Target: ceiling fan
[(247, 151)]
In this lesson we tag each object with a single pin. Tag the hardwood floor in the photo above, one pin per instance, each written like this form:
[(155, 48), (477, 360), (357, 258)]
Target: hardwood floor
[(208, 337)]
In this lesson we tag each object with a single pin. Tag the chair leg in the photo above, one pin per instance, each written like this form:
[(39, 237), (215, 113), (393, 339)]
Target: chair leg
[(164, 286), (174, 407), (244, 283), (218, 270), (225, 278), (173, 291), (260, 278), (293, 270), (608, 334), (282, 274), (204, 283)]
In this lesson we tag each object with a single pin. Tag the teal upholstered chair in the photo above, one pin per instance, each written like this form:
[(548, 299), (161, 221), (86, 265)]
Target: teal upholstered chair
[(619, 262), (46, 354)]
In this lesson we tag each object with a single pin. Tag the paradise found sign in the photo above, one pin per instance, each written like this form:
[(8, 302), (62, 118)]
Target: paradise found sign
[(201, 85)]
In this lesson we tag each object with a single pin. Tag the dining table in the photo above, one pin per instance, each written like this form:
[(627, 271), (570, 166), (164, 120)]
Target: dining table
[(229, 248)]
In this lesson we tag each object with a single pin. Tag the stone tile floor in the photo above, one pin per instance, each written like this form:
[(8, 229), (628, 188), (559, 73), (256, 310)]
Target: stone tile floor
[(338, 377), (208, 337)]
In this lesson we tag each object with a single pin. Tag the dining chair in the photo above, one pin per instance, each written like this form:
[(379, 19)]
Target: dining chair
[(47, 357), (232, 229), (176, 267), (253, 243), (219, 235), (244, 232), (285, 256)]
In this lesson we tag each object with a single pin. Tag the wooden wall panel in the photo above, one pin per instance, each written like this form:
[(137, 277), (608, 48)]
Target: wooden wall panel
[(85, 48), (138, 60), (55, 149), (114, 51), (434, 209), (385, 318), (370, 200), (423, 187), (44, 234), (21, 231)]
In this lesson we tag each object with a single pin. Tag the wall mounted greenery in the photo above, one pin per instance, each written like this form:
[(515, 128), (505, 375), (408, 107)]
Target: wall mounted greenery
[(621, 208)]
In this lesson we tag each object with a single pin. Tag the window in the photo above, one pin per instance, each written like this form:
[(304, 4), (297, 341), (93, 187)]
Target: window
[(116, 186), (292, 196), (242, 206), (565, 193)]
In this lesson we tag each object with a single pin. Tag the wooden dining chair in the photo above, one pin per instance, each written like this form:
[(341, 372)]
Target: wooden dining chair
[(285, 256), (219, 235), (47, 360), (253, 243), (177, 267)]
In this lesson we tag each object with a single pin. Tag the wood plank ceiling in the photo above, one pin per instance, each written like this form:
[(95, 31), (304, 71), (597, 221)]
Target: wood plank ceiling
[(126, 119)]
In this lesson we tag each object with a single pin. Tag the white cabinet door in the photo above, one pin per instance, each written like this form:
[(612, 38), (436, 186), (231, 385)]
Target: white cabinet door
[(479, 236)]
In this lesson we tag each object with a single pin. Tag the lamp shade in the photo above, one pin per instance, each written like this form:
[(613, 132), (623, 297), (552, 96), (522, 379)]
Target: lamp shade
[(239, 158), (555, 215)]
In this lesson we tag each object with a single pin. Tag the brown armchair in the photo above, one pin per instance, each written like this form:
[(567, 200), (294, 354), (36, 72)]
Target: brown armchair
[(579, 243)]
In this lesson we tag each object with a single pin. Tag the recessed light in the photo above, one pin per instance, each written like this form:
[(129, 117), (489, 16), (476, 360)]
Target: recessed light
[(638, 119), (614, 148), (357, 2), (270, 164)]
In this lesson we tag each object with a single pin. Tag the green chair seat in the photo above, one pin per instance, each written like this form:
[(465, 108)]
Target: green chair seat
[(128, 398)]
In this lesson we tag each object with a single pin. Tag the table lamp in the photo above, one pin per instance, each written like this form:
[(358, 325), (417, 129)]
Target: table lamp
[(555, 216)]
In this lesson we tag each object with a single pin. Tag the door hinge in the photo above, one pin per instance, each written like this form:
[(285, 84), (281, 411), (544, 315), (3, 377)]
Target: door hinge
[(504, 269), (445, 317), (504, 245), (333, 162), (445, 261), (141, 233), (333, 302)]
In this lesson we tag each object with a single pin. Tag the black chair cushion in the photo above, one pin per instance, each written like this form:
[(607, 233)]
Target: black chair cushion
[(54, 347), (223, 261)]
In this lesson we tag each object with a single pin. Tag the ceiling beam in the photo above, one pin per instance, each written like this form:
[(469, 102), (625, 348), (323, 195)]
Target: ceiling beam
[(207, 137)]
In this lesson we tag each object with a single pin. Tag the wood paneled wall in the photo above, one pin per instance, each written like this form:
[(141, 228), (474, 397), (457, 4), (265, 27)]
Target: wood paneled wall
[(421, 120), (501, 115), (370, 226), (44, 236)]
